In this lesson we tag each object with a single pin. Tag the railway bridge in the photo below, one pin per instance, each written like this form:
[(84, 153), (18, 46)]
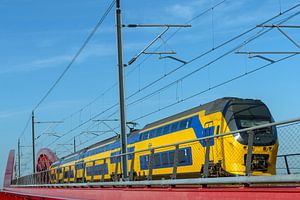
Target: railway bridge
[(283, 185)]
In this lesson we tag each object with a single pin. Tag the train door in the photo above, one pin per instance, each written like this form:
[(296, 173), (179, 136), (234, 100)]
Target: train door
[(209, 131), (212, 128), (218, 150)]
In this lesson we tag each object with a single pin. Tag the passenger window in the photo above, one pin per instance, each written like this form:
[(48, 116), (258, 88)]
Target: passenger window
[(79, 165), (99, 169), (189, 155), (142, 161), (181, 156), (189, 122), (66, 174), (218, 130), (152, 133), (146, 135), (164, 159), (183, 124), (208, 131), (159, 131), (130, 149), (157, 160), (205, 132), (166, 129), (145, 162), (174, 127), (171, 156), (71, 174)]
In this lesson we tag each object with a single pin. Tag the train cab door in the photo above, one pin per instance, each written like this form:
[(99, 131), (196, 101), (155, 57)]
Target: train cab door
[(209, 131), (218, 150)]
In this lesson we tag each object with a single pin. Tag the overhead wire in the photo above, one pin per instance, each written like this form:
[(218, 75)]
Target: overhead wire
[(195, 58), (87, 40), (260, 33), (144, 60), (215, 86), (26, 126), (201, 92)]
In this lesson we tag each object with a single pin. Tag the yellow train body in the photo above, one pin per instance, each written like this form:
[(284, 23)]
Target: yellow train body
[(227, 154)]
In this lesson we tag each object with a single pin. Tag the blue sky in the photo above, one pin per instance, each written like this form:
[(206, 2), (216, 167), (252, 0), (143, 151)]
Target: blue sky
[(39, 38)]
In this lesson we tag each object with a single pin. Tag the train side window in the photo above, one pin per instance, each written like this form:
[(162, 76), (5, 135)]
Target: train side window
[(189, 156), (146, 135), (183, 124), (89, 171), (159, 131), (171, 156), (218, 130), (152, 133), (116, 158), (66, 174), (166, 129), (174, 127), (130, 149), (208, 131), (79, 165), (181, 156), (164, 159), (189, 122), (144, 160), (157, 160), (71, 174), (99, 169)]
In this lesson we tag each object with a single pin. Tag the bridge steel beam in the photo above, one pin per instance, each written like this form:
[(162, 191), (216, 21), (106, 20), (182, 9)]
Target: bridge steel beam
[(167, 193)]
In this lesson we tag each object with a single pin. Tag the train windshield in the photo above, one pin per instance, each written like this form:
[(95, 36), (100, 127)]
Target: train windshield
[(251, 115), (247, 123)]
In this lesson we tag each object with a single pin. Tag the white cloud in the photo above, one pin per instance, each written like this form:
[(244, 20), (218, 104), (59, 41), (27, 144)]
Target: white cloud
[(50, 106), (61, 60), (12, 113), (182, 11), (37, 64)]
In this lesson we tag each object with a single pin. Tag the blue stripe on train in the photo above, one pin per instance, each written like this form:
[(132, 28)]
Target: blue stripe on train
[(195, 124), (202, 132)]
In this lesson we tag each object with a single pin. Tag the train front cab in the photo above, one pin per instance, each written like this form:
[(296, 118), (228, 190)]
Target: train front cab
[(245, 114)]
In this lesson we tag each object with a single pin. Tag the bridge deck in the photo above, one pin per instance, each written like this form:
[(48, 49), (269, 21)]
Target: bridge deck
[(155, 193)]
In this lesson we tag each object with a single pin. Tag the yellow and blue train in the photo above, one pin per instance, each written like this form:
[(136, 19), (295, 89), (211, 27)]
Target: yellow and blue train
[(227, 154)]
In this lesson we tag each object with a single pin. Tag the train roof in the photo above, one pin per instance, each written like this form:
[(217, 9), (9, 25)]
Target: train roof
[(102, 142), (217, 105)]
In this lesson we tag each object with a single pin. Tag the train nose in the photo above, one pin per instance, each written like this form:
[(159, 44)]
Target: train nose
[(259, 162)]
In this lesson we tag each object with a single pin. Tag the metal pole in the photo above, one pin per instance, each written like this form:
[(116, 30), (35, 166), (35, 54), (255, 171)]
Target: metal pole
[(249, 153), (33, 142), (123, 136), (19, 159), (207, 152), (74, 144), (286, 165)]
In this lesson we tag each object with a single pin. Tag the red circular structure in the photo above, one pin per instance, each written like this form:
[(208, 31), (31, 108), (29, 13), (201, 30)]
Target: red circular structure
[(44, 159)]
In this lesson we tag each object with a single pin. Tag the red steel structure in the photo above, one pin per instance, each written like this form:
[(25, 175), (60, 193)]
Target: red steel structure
[(45, 157), (10, 192)]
